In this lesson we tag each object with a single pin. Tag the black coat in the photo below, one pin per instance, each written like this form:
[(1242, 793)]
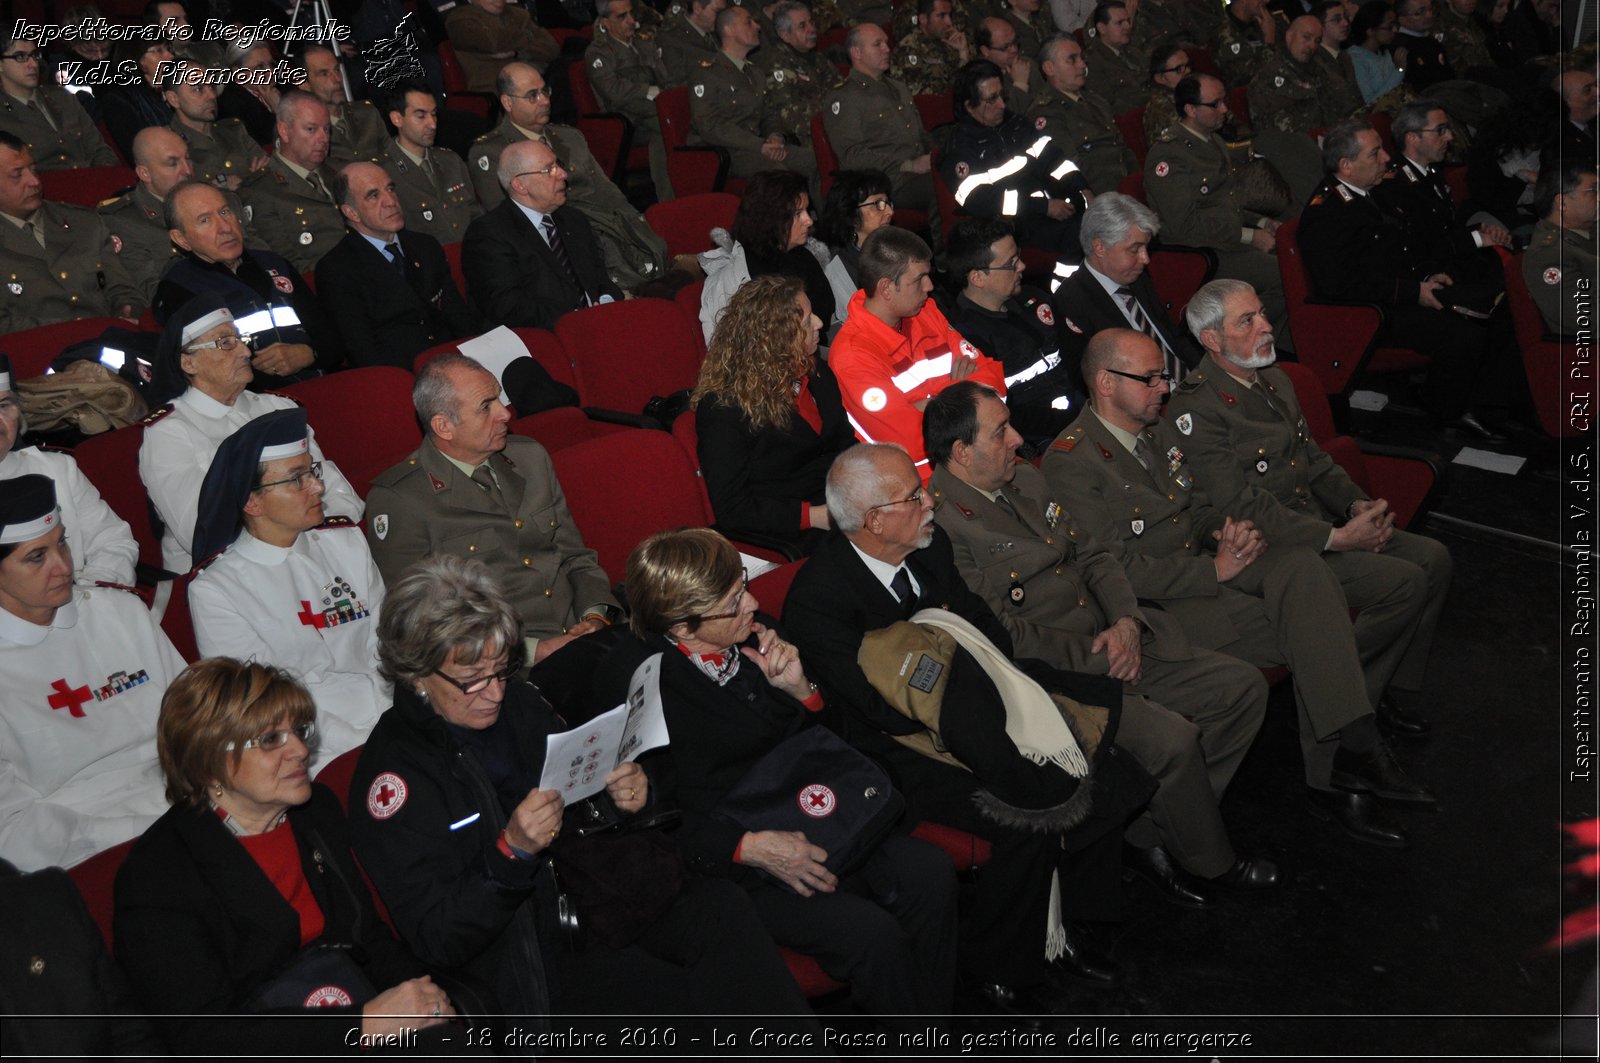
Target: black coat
[(200, 928), (513, 277), (1023, 336), (385, 318), (1433, 227), (1356, 250), (758, 478), (1082, 308)]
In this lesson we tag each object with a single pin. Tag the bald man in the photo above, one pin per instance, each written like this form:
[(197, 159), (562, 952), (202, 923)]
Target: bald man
[(161, 160), (1288, 92)]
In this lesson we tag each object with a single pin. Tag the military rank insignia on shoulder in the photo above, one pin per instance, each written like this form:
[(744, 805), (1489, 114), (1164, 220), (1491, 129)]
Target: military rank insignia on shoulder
[(157, 414), (337, 522), (1065, 444)]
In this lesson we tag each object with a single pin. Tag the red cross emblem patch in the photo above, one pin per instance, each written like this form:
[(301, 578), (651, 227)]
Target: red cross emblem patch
[(386, 795), (69, 697), (817, 801), (1552, 276), (282, 283), (1044, 314), (329, 996), (1162, 169)]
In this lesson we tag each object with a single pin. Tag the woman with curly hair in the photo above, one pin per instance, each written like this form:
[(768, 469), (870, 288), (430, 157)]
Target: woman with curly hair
[(769, 416), (771, 234), (859, 202)]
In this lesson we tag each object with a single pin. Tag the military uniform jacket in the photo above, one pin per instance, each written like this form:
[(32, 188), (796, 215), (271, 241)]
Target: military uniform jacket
[(623, 74), (357, 134), (1254, 457), (425, 505), (1339, 82), (1187, 181), (1052, 586), (1557, 265), (1422, 203), (1238, 49), (1160, 114), (227, 151), (477, 36), (311, 609), (728, 107), (1354, 249), (1464, 43), (1290, 96), (1152, 522), (923, 64), (442, 203), (683, 47), (78, 769), (1085, 130), (71, 142), (1426, 62), (103, 549), (1031, 31), (796, 83), (1121, 80), (182, 437), (874, 125), (139, 237), (77, 274), (291, 216)]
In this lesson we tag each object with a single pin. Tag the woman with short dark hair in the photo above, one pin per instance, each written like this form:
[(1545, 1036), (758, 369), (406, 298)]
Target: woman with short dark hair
[(859, 202)]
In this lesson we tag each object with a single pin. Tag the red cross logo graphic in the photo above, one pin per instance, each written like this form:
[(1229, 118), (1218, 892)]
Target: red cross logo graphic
[(311, 619), (69, 698), (385, 795)]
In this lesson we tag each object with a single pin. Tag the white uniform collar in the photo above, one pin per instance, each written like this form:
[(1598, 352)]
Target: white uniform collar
[(204, 404), (20, 632), (251, 549)]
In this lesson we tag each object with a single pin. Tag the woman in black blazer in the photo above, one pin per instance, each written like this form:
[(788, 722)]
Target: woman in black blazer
[(240, 913), (769, 416)]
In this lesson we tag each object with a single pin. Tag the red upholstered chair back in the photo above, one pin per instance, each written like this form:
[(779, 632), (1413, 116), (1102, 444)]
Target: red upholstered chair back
[(935, 109), (1201, 62), (1133, 185), (363, 418), (687, 434), (625, 353), (688, 300), (1178, 274), (626, 486), (88, 186), (1131, 125), (33, 349), (455, 78), (827, 160), (1313, 401), (549, 352), (111, 462), (1548, 363), (452, 255), (583, 95), (337, 773), (96, 879), (562, 427), (672, 110), (1238, 102), (771, 588), (685, 223), (608, 137)]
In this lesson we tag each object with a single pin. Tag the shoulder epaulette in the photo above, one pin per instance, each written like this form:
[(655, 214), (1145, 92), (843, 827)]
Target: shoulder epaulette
[(1065, 443), (336, 522), (110, 201), (395, 473), (157, 414), (707, 64)]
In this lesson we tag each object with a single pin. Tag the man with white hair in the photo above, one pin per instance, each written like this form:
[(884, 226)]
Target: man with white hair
[(1243, 435)]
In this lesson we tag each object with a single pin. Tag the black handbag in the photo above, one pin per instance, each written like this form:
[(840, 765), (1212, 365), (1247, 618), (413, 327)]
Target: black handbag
[(614, 884), (815, 783), (321, 975)]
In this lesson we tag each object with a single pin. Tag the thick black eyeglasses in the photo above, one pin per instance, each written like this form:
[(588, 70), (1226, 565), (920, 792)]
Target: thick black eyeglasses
[(480, 684), (1148, 379)]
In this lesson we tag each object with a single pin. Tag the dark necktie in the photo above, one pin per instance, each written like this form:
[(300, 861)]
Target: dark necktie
[(485, 479), (1142, 451), (396, 256), (38, 105), (1141, 321), (901, 585), (552, 236)]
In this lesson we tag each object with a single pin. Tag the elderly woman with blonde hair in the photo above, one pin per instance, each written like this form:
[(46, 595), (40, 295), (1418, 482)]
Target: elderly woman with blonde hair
[(769, 416)]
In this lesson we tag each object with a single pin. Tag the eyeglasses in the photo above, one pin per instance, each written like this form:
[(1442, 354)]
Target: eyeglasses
[(880, 204), (1181, 68), (298, 479), (1220, 101), (480, 684), (1436, 130), (272, 740), (914, 496), (22, 57), (545, 171), (1009, 46), (1148, 379), (532, 94), (1010, 265), (225, 344), (744, 585)]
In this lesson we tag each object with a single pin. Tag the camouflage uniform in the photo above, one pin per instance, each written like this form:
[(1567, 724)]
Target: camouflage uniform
[(77, 273), (796, 83), (1289, 96), (1160, 113), (924, 65), (1238, 50), (1556, 260), (729, 108), (874, 125), (1339, 81), (290, 216), (1084, 129), (1464, 42), (69, 142), (438, 199), (1120, 80), (227, 151)]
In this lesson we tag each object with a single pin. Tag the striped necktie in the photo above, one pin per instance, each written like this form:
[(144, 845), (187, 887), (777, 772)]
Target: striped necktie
[(1141, 321)]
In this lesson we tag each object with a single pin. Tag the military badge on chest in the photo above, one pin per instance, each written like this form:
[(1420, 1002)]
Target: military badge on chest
[(1175, 468)]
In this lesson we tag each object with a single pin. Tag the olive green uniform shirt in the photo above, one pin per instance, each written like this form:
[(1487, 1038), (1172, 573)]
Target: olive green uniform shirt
[(875, 125), (683, 47), (66, 140), (291, 216), (1085, 130), (1559, 265), (478, 36), (76, 274), (227, 151), (357, 134), (622, 76), (1120, 80)]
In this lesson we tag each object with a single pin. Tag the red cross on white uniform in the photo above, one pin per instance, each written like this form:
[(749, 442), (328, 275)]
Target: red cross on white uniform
[(317, 620), (69, 698)]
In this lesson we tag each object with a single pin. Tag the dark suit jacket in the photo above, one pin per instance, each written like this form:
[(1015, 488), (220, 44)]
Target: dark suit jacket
[(384, 318), (758, 478), (1081, 301), (1442, 242), (513, 277), (200, 928)]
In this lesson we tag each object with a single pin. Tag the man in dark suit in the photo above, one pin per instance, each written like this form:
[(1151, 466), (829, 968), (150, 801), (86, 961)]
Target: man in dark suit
[(533, 258), (1113, 289), (389, 292)]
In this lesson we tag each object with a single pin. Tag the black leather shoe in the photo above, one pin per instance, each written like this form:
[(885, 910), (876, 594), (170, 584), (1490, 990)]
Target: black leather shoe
[(1402, 722), (1156, 866), (1379, 774), (1015, 1000), (1359, 816), (1250, 873), (1082, 961), (1469, 426)]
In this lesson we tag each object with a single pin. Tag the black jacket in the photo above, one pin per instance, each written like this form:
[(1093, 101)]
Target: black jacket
[(1442, 241), (429, 845), (1042, 364), (515, 279), (384, 318), (758, 478), (1082, 308), (1355, 250), (200, 928)]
